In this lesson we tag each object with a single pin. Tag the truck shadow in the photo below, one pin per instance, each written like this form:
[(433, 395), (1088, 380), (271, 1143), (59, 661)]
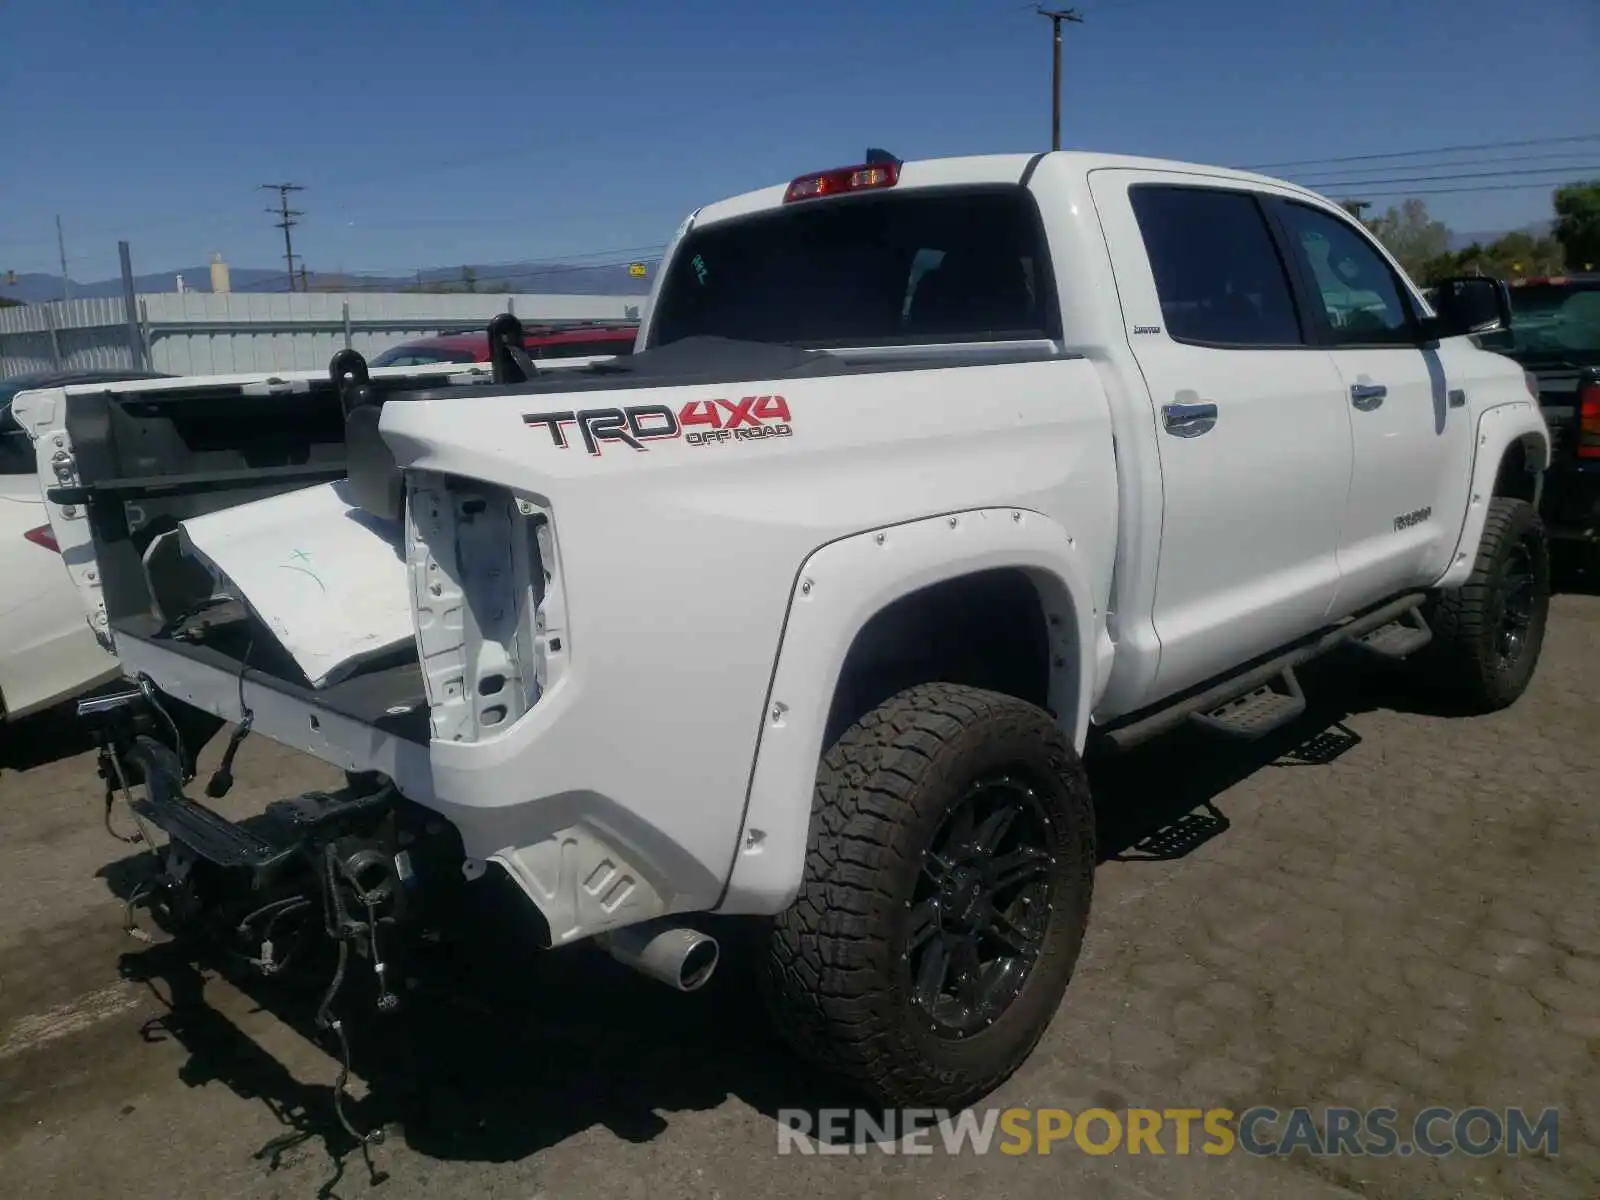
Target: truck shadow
[(41, 738), (501, 1051), (496, 1053), (1575, 571), (1160, 802)]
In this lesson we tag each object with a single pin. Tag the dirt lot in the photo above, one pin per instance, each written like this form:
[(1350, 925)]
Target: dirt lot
[(1415, 922)]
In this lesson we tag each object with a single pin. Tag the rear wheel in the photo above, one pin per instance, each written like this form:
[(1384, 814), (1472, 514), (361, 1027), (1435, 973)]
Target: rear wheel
[(1487, 633), (946, 892)]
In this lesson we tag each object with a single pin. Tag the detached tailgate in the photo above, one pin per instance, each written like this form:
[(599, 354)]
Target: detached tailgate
[(122, 463)]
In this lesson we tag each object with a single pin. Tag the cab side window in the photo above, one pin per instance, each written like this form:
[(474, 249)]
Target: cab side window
[(1218, 273), (1360, 294)]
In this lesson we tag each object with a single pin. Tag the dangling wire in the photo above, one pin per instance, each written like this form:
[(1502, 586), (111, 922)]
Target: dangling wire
[(222, 778), (147, 688), (341, 928)]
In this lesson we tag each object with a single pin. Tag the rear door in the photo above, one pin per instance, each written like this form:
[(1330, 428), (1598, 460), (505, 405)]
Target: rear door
[(1410, 421), (1250, 414)]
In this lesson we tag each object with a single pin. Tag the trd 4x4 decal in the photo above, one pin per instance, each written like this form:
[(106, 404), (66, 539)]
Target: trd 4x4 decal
[(699, 423)]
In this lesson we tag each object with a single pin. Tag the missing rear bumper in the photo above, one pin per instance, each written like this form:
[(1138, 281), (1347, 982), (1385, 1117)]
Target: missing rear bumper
[(360, 870)]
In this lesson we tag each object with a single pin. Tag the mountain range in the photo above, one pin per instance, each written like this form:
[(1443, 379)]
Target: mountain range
[(1460, 241), (613, 279)]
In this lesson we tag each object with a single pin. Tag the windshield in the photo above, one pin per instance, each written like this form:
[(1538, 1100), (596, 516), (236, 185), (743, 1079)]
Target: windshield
[(419, 356), (582, 349), (952, 265), (1554, 320)]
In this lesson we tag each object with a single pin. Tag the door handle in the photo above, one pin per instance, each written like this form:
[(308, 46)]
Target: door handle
[(1188, 420), (1458, 398), (1367, 396)]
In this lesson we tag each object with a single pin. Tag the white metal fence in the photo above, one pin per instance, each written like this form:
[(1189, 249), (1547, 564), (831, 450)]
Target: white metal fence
[(203, 333)]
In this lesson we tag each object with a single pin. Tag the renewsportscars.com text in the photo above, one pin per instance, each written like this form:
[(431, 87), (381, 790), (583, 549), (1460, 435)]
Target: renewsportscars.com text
[(1259, 1131)]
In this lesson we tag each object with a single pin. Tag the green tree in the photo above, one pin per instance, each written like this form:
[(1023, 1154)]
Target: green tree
[(1508, 257), (1412, 236), (1521, 253), (1442, 266), (1577, 228), (469, 279)]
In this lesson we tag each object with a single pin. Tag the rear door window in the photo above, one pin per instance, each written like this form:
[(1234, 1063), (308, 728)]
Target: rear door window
[(419, 356), (581, 349), (1217, 270), (934, 266)]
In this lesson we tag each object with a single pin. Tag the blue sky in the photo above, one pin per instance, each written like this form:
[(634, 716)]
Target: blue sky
[(433, 134)]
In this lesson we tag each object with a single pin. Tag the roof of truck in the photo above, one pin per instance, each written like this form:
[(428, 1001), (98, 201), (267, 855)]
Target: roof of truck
[(987, 168)]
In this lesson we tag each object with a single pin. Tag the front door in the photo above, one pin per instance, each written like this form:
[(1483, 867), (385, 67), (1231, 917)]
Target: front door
[(1250, 419), (1410, 425)]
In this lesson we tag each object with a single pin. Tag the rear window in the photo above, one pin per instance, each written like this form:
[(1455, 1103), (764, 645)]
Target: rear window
[(582, 349), (419, 356), (952, 265)]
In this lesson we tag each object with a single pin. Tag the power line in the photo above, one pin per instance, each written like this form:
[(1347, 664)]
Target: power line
[(1462, 149), (1460, 191), (286, 222), (1494, 161), (1453, 177)]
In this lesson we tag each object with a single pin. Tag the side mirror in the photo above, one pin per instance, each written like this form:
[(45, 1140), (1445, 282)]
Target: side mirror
[(1470, 305)]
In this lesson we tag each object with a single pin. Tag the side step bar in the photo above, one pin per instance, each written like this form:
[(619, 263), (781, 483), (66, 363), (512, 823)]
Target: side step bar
[(1399, 639), (1212, 703), (1256, 713)]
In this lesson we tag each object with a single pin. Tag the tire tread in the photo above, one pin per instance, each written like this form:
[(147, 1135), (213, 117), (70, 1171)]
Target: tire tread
[(825, 968), (1460, 617)]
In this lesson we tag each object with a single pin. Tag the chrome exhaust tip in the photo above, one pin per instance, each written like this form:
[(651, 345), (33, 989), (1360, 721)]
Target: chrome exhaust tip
[(676, 955)]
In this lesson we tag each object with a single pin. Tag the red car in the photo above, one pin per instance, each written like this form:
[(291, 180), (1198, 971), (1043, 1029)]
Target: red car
[(539, 342)]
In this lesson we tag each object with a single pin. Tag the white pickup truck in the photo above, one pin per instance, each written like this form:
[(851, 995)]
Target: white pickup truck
[(923, 477)]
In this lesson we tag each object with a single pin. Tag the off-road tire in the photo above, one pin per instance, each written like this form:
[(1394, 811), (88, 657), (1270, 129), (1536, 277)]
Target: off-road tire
[(834, 977), (1462, 663)]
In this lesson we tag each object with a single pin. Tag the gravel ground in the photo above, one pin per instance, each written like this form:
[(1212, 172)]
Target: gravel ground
[(1415, 922)]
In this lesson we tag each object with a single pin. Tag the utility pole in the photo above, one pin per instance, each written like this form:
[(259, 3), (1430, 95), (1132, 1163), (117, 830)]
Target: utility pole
[(61, 248), (1057, 15), (286, 221)]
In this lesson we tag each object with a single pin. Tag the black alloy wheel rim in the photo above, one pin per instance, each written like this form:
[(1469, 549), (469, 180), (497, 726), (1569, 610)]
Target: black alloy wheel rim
[(1517, 599), (983, 898)]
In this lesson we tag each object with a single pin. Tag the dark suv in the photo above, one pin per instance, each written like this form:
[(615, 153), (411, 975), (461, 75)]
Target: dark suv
[(1555, 335)]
